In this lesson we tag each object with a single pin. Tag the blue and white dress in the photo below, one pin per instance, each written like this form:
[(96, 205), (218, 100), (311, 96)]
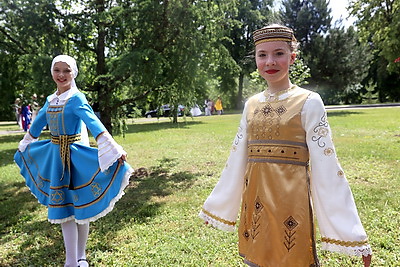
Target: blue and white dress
[(75, 181)]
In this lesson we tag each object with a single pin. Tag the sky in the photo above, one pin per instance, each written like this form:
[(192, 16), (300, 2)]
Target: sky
[(338, 8), (339, 11)]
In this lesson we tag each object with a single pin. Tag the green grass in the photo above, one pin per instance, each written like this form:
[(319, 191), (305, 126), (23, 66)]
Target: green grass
[(156, 223)]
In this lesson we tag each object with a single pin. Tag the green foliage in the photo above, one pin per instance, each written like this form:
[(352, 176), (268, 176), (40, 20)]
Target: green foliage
[(236, 64), (299, 72), (371, 96), (379, 25), (308, 18), (337, 63)]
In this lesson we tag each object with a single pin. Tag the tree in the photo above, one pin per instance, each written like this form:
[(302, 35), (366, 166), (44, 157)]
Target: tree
[(128, 51), (338, 62), (338, 67), (379, 26), (308, 18), (25, 36), (250, 15)]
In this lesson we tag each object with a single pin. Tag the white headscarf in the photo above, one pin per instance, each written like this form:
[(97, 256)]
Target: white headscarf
[(71, 63)]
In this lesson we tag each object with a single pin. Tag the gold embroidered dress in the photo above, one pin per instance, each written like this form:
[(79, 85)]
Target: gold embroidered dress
[(268, 173)]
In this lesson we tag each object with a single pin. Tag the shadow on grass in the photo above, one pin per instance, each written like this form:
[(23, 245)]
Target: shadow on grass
[(156, 126), (11, 138), (8, 123), (41, 242), (335, 113), (138, 204), (7, 156)]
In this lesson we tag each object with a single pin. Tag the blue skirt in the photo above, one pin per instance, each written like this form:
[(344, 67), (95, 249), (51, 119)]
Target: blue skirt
[(81, 192)]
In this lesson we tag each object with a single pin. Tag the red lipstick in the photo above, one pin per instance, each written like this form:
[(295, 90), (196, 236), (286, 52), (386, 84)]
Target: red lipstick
[(272, 71)]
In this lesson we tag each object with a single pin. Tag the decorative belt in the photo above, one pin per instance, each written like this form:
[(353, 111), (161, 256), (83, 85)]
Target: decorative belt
[(278, 151), (64, 141)]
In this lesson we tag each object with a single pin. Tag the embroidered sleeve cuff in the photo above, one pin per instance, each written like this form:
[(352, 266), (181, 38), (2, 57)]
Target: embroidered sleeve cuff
[(216, 221), (352, 248), (108, 151)]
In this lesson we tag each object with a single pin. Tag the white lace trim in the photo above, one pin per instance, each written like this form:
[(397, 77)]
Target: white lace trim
[(217, 224), (364, 250), (110, 207), (70, 218)]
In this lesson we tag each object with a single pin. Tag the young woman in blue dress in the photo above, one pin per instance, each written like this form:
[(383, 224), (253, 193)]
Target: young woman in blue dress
[(77, 183)]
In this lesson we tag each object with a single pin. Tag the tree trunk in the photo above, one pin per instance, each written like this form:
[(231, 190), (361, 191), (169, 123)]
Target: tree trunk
[(239, 99), (104, 93)]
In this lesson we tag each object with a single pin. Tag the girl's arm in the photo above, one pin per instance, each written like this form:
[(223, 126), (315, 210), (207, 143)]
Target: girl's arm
[(222, 206), (340, 226), (108, 150)]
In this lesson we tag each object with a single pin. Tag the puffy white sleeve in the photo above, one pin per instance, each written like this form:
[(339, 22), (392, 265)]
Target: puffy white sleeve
[(340, 226), (28, 138), (222, 206), (108, 150)]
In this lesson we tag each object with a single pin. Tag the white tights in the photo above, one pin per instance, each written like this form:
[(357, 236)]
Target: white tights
[(75, 238)]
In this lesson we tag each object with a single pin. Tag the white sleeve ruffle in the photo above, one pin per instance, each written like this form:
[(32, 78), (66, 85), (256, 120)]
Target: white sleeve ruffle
[(340, 226), (108, 151), (222, 206), (28, 138)]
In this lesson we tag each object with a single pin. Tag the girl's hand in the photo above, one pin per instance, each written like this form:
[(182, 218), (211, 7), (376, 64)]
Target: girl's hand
[(367, 260), (123, 158)]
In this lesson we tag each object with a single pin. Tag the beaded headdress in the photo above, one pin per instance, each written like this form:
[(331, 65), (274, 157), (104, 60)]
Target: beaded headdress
[(271, 34)]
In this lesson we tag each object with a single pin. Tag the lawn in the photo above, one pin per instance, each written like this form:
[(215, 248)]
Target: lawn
[(156, 223)]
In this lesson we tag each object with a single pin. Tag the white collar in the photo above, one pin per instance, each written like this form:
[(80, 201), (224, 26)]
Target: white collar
[(64, 96)]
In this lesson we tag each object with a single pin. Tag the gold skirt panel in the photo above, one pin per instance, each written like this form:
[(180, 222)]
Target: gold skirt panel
[(276, 226)]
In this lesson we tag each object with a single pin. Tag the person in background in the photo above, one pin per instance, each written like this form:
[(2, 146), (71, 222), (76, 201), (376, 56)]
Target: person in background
[(34, 106), (208, 107), (282, 167), (77, 183), (17, 111), (26, 116), (218, 106)]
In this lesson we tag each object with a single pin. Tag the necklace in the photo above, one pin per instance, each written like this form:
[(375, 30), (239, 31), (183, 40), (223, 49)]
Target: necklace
[(275, 96)]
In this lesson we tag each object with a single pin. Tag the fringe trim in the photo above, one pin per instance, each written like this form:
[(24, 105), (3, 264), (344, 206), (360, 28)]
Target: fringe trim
[(217, 224), (364, 250), (110, 207)]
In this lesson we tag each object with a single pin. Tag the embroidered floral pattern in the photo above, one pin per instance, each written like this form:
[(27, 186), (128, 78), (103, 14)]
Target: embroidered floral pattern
[(239, 136), (328, 151), (321, 131), (267, 110), (290, 224), (280, 110)]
